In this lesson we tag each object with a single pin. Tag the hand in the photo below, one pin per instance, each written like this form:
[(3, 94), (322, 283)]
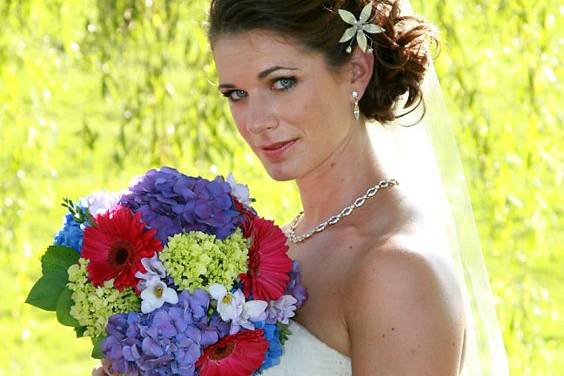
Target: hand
[(104, 370)]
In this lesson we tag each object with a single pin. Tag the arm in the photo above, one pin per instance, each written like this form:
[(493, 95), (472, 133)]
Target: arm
[(405, 317)]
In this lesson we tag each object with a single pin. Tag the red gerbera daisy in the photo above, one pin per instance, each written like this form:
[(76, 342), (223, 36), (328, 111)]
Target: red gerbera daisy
[(247, 213), (269, 264), (240, 354), (115, 246)]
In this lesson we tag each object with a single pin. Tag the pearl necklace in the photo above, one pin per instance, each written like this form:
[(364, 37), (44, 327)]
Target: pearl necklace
[(336, 218)]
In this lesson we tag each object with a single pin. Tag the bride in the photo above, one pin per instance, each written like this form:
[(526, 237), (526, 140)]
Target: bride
[(304, 80)]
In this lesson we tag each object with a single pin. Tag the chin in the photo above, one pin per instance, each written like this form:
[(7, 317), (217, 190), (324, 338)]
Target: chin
[(281, 171), (280, 176)]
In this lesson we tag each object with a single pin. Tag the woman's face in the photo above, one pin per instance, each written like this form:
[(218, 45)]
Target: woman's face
[(291, 110)]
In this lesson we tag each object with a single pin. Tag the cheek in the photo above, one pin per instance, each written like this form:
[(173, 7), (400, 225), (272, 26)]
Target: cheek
[(238, 118), (301, 109), (311, 111)]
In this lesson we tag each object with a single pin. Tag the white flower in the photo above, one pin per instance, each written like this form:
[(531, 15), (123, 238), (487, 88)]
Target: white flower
[(100, 202), (155, 294), (154, 270), (240, 191), (359, 27), (282, 309), (229, 306), (233, 307)]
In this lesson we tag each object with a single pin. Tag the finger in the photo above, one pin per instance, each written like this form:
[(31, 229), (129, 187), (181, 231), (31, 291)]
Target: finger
[(99, 372), (106, 364)]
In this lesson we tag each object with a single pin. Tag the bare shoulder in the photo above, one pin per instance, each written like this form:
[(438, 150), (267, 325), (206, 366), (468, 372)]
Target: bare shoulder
[(405, 271), (405, 314)]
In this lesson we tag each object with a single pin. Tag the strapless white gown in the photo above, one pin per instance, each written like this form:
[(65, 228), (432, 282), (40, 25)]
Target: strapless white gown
[(305, 354)]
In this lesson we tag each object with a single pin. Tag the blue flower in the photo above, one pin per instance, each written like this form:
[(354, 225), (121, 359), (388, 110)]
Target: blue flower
[(172, 203), (71, 234), (274, 352)]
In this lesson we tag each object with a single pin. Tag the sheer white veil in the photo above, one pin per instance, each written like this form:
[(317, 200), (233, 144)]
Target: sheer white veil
[(425, 160)]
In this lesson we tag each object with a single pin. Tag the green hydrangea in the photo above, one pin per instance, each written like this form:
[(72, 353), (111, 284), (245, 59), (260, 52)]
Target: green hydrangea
[(93, 306), (196, 260)]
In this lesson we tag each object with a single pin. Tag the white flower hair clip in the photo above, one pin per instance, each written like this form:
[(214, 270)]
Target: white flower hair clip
[(359, 28)]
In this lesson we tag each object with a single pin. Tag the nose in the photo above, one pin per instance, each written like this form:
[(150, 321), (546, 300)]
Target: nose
[(261, 115)]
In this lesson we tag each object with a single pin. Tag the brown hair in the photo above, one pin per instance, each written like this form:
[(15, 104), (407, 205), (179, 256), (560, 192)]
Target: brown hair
[(400, 53)]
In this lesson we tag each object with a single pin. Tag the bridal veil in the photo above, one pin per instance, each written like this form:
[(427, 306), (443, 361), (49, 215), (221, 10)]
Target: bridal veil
[(425, 159)]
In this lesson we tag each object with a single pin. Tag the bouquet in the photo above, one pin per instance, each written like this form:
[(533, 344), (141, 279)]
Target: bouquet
[(178, 275)]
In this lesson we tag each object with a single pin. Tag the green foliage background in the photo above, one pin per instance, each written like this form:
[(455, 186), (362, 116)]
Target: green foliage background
[(94, 92)]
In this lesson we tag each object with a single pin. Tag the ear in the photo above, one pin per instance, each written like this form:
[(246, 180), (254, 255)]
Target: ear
[(362, 64)]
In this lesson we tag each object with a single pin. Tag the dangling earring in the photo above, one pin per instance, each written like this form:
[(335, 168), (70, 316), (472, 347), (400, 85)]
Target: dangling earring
[(356, 110)]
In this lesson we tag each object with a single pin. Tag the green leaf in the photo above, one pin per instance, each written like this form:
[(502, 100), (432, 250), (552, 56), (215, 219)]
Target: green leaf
[(46, 291), (57, 258), (283, 332), (97, 350), (79, 330), (64, 305)]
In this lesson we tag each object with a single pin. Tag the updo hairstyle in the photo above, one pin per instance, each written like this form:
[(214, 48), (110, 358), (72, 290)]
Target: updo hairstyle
[(401, 53)]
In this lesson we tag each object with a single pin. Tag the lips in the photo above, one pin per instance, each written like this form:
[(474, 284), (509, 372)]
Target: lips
[(276, 151), (277, 145)]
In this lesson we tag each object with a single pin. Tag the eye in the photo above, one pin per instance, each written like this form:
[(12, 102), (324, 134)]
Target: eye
[(235, 95), (284, 83)]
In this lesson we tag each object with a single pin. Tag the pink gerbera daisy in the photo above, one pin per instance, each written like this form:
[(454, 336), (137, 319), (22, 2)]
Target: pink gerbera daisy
[(240, 354), (115, 246), (269, 264)]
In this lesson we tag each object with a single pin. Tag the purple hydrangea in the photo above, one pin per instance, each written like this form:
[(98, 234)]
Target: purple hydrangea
[(168, 341), (214, 330), (295, 288), (172, 202), (71, 234)]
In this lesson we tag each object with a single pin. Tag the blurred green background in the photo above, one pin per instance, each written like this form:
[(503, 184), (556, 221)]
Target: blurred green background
[(94, 92)]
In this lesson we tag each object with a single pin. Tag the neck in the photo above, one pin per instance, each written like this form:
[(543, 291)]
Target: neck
[(347, 174)]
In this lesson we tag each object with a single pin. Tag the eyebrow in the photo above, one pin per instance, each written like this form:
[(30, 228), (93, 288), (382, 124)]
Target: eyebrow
[(260, 76)]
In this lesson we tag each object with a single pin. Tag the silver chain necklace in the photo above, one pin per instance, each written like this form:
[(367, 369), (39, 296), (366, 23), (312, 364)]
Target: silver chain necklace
[(336, 218)]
